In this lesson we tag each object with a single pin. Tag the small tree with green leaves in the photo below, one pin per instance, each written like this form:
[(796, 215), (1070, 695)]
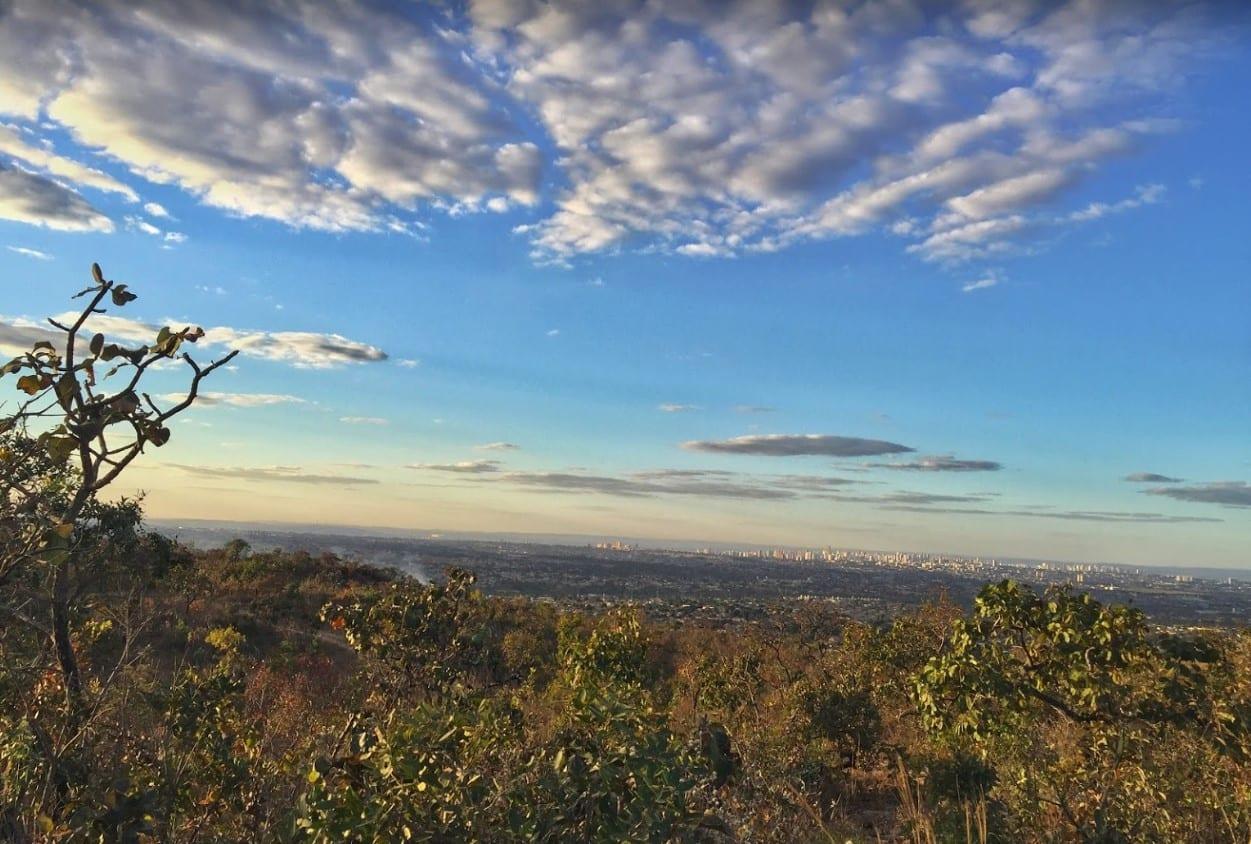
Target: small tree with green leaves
[(84, 394), (80, 418), (1069, 699)]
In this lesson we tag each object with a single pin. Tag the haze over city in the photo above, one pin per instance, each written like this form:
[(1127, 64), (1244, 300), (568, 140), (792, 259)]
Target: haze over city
[(960, 277)]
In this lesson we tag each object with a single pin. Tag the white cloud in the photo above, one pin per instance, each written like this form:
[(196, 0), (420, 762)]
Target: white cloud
[(672, 407), (1010, 194), (30, 253), (301, 349), (18, 335), (364, 420), (700, 128), (498, 446), (238, 399), (41, 157), (1144, 195), (325, 116), (141, 225), (29, 198), (156, 210), (408, 363), (553, 332), (988, 280)]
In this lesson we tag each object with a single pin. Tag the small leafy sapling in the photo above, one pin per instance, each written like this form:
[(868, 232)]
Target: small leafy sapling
[(83, 415)]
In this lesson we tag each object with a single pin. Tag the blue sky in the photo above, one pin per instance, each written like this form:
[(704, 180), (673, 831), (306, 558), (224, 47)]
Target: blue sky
[(872, 276)]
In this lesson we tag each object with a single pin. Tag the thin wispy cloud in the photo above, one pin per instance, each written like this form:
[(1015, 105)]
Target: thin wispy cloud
[(674, 407), (674, 482), (208, 399), (272, 474), (30, 253), (982, 283), (376, 421), (792, 445), (647, 486), (498, 446), (1108, 516), (1150, 478), (754, 408), (1226, 493), (464, 467), (942, 463)]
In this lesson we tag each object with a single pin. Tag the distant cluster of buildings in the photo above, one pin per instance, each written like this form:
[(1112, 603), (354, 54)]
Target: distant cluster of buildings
[(615, 545)]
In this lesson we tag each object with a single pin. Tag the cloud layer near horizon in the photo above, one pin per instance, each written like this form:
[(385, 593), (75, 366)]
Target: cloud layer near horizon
[(793, 445), (701, 128)]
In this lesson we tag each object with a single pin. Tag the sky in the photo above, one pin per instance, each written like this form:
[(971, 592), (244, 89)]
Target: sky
[(956, 277)]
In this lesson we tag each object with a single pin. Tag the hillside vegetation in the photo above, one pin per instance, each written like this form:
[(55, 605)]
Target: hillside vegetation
[(150, 692)]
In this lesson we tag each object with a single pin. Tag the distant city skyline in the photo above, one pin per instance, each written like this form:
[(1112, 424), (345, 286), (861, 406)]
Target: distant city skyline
[(968, 277)]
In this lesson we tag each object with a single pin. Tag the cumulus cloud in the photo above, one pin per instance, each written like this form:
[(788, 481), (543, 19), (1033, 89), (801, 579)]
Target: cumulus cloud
[(790, 445), (40, 156), (275, 474), (464, 467), (711, 129), (701, 128), (942, 463), (30, 198), (303, 349), (17, 335), (327, 116), (1150, 478), (1227, 493)]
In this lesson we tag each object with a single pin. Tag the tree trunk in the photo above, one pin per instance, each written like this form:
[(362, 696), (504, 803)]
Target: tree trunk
[(61, 641)]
